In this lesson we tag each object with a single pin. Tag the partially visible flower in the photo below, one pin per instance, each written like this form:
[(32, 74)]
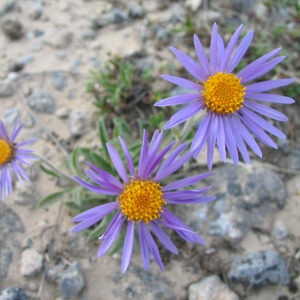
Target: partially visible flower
[(141, 199), (233, 106), (12, 154)]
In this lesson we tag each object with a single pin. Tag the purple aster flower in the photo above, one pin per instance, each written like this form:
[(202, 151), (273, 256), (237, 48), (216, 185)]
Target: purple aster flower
[(12, 154), (232, 103), (141, 199)]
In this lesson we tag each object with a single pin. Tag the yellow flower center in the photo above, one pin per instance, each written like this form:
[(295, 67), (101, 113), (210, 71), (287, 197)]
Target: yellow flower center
[(142, 200), (6, 152), (223, 93)]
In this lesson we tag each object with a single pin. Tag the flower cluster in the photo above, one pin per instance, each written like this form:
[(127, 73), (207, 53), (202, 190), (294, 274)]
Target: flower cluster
[(234, 113)]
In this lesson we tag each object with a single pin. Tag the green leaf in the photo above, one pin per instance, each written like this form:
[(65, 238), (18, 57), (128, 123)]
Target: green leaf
[(53, 198), (100, 228), (49, 172), (103, 136), (74, 159)]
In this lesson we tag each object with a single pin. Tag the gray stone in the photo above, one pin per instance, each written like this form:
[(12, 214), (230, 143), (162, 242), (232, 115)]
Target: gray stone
[(25, 193), (31, 263), (61, 39), (6, 89), (26, 60), (89, 35), (13, 293), (211, 288), (176, 13), (76, 123), (231, 225), (59, 80), (244, 6), (72, 281), (41, 101), (35, 11), (12, 29), (259, 269), (63, 112), (10, 115), (135, 10), (280, 230), (60, 54), (6, 257), (7, 7), (194, 5), (293, 160), (115, 15), (162, 34), (260, 11), (9, 222), (75, 63)]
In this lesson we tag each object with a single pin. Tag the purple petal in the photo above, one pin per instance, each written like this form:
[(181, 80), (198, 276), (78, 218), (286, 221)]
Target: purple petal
[(16, 130), (111, 236), (101, 211), (107, 176), (185, 182), (267, 85), (128, 157), (263, 123), (118, 163), (128, 246), (266, 111), (221, 51), (221, 138), (182, 82), (201, 55), (143, 156), (96, 189), (100, 180), (193, 200), (18, 170), (153, 247), (163, 238), (3, 131), (257, 63), (214, 48), (86, 224), (247, 137), (240, 51), (230, 47), (26, 142), (230, 141), (180, 99), (184, 194), (144, 245), (269, 98), (201, 135), (183, 115), (189, 64), (261, 69), (211, 141), (260, 134)]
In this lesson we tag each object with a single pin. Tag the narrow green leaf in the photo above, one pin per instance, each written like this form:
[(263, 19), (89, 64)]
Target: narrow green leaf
[(103, 135), (74, 159), (49, 172), (53, 198)]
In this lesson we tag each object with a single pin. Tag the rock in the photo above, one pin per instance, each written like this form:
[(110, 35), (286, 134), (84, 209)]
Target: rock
[(243, 6), (75, 63), (211, 288), (6, 89), (10, 222), (41, 101), (76, 124), (60, 54), (31, 262), (26, 60), (61, 39), (162, 34), (13, 293), (25, 193), (59, 80), (194, 5), (6, 257), (7, 7), (135, 10), (35, 11), (259, 269), (176, 13), (62, 112), (260, 11), (10, 115), (280, 230), (115, 16), (89, 35), (231, 225), (293, 160), (12, 29), (71, 281)]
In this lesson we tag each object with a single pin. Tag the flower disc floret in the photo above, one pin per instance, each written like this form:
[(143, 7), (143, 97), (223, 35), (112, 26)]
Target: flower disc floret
[(223, 93), (142, 200), (6, 152)]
